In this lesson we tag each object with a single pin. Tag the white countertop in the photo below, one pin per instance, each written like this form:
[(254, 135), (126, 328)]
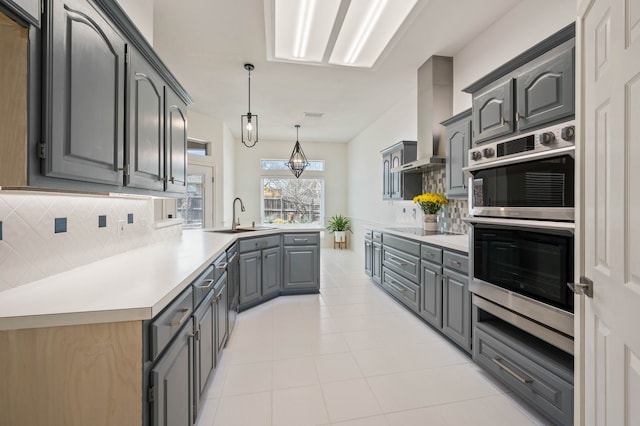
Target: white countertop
[(135, 285), (458, 242)]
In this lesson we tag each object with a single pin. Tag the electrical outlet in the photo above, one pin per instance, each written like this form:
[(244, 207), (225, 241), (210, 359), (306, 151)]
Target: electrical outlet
[(121, 227)]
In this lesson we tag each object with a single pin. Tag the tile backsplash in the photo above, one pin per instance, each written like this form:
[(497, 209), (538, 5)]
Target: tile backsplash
[(43, 235), (451, 215)]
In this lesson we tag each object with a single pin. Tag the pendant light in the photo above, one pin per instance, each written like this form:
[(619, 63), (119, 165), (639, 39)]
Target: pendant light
[(298, 161), (249, 122)]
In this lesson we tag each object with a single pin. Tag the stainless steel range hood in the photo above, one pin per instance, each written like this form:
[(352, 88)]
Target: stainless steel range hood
[(435, 104)]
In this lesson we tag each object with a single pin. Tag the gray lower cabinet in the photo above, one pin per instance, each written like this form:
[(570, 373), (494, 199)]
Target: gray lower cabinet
[(204, 347), (493, 111), (458, 138), (260, 269), (84, 120), (456, 300), (431, 293), (145, 147), (368, 254), (376, 272), (403, 289), (221, 303), (301, 268), (546, 92)]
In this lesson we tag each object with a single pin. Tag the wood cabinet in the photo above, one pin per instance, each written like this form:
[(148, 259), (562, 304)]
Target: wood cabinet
[(532, 90), (396, 185), (458, 139), (301, 262), (84, 95), (29, 10)]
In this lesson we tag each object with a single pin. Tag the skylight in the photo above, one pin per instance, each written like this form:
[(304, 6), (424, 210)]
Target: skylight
[(336, 32)]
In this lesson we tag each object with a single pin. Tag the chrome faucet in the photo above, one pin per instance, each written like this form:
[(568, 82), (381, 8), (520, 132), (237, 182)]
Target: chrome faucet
[(234, 224)]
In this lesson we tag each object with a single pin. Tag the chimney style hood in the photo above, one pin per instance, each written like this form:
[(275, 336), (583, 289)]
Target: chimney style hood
[(435, 105)]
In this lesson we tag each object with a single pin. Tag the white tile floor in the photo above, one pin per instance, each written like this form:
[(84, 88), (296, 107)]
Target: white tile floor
[(349, 356)]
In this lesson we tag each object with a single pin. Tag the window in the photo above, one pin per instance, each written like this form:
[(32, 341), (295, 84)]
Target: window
[(291, 200), (190, 208), (197, 147), (314, 165)]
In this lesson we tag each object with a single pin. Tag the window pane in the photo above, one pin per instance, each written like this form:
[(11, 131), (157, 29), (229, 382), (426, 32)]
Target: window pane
[(290, 200), (314, 165), (197, 148), (191, 207)]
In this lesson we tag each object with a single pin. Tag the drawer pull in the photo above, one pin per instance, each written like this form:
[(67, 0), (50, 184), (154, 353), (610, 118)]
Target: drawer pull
[(397, 262), (400, 289), (233, 257), (498, 361), (185, 314), (205, 287), (300, 240), (222, 265), (455, 263)]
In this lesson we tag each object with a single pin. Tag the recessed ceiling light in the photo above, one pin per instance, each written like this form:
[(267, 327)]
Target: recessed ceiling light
[(303, 28), (367, 29)]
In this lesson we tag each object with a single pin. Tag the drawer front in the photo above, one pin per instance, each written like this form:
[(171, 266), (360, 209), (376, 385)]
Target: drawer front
[(165, 326), (203, 285), (301, 239), (546, 391), (402, 244), (404, 290), (402, 263), (219, 266), (431, 253), (377, 236), (459, 262), (252, 244)]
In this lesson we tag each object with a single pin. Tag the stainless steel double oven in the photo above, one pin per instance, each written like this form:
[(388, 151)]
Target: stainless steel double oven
[(522, 231)]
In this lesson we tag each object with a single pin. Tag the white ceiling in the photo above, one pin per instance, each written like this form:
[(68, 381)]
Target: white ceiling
[(206, 42)]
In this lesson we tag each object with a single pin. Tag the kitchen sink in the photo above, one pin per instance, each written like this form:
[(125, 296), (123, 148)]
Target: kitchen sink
[(240, 229)]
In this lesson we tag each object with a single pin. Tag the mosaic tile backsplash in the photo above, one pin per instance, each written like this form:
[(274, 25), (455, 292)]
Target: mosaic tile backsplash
[(450, 217), (43, 235)]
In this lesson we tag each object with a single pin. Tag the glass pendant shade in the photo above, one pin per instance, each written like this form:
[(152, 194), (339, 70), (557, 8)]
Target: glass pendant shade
[(249, 122), (298, 161)]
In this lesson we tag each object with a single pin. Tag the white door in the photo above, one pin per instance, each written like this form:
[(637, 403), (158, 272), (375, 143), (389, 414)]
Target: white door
[(196, 208), (609, 33)]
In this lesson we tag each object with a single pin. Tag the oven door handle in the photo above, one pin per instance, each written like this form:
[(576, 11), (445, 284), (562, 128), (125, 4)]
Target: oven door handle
[(522, 223), (570, 150)]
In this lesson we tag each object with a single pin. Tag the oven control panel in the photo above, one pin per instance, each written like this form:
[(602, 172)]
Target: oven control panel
[(550, 138)]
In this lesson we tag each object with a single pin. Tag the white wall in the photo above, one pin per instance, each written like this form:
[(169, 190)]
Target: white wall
[(526, 24), (228, 174), (141, 13), (248, 173), (530, 22)]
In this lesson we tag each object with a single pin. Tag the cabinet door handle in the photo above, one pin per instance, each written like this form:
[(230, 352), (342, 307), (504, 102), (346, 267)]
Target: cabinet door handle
[(222, 266), (517, 116), (300, 240), (185, 314), (233, 257), (207, 286), (172, 179), (503, 121), (498, 361)]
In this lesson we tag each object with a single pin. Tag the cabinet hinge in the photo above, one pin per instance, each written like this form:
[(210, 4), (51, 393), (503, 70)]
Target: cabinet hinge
[(42, 7), (151, 394), (126, 55), (42, 151), (196, 335)]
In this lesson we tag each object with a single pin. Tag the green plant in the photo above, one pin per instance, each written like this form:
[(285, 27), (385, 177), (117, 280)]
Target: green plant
[(339, 223)]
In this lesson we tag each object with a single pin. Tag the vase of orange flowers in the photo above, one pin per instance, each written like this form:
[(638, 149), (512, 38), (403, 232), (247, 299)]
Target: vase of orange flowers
[(430, 204)]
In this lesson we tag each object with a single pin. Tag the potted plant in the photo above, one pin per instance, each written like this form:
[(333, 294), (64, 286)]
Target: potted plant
[(430, 204), (339, 225)]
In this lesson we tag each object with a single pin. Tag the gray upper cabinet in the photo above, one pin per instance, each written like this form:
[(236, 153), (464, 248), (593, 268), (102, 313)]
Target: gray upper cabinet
[(399, 186), (546, 92), (28, 10), (493, 111), (85, 90), (145, 149), (458, 131), (176, 143)]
